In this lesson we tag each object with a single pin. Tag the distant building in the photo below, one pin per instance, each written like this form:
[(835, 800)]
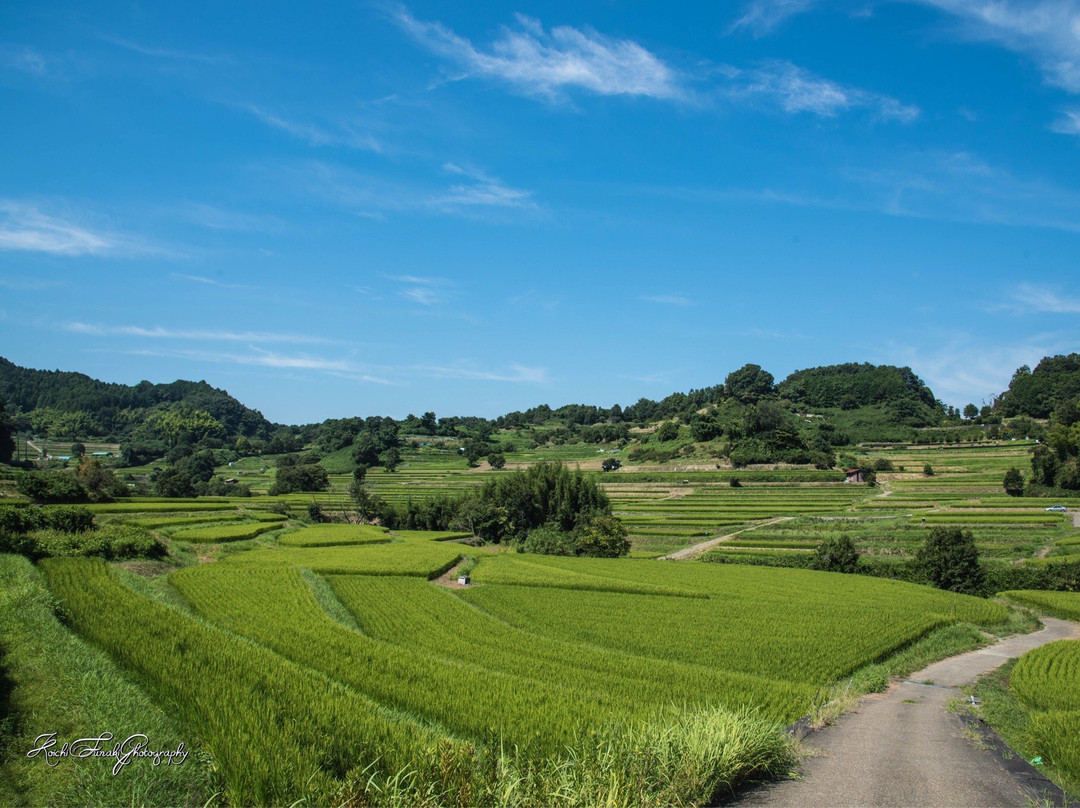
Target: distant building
[(854, 476)]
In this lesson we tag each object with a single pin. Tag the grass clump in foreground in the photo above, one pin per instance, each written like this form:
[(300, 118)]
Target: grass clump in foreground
[(683, 757), (52, 681)]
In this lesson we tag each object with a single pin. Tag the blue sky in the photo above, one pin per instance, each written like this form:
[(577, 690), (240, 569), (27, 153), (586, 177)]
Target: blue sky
[(363, 208)]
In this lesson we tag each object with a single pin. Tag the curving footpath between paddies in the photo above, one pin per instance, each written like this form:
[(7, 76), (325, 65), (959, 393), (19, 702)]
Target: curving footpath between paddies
[(905, 748)]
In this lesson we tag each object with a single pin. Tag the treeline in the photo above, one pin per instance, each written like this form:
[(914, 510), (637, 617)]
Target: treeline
[(546, 508)]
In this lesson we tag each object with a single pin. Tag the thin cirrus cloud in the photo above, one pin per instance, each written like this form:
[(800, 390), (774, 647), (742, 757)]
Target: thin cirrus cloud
[(796, 90), (1046, 31), (158, 332), (24, 227), (355, 371), (546, 63), (534, 61), (425, 291), (1032, 299), (1068, 123), (23, 59), (473, 194), (314, 134), (668, 300), (762, 16)]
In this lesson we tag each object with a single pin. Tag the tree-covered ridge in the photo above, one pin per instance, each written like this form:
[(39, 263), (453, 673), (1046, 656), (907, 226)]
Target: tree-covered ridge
[(75, 405), (853, 385), (1054, 383)]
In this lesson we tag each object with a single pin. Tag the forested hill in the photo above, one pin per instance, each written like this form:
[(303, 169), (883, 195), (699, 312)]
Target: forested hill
[(854, 385), (118, 409), (1053, 385)]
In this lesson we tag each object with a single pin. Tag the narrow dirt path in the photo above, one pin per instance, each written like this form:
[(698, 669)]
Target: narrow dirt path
[(904, 748), (688, 553)]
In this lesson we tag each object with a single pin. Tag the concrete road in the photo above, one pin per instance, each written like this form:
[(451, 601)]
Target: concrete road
[(904, 748)]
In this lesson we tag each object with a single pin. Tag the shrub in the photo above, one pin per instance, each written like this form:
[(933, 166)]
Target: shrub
[(836, 554), (50, 486), (603, 537), (548, 539), (950, 560)]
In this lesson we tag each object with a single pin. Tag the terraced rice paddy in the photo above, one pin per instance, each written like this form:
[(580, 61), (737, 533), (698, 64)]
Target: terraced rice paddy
[(543, 654)]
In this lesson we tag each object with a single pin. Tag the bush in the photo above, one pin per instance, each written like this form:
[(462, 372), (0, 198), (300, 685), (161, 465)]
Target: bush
[(836, 554), (950, 560), (603, 537), (1014, 483), (112, 542), (67, 519), (548, 539), (50, 486)]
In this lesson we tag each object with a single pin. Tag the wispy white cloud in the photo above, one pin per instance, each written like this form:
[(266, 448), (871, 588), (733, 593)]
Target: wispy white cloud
[(425, 291), (169, 54), (23, 59), (961, 187), (24, 227), (475, 195), (962, 368), (159, 332), (348, 368), (513, 373), (209, 281), (667, 300), (762, 16), (215, 218), (1068, 124), (796, 90), (1048, 31), (1032, 299), (314, 134), (481, 190), (547, 63)]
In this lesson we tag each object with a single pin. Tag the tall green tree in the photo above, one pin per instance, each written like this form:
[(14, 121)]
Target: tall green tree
[(7, 435), (950, 560), (1014, 483)]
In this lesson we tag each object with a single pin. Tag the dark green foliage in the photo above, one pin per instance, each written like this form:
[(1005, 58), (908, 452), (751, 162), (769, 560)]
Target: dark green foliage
[(66, 518), (511, 505), (390, 459), (51, 486), (111, 542), (184, 477), (749, 383), (305, 477), (548, 540), (7, 439), (1014, 483), (496, 460), (667, 431), (602, 537), (475, 448), (927, 470), (950, 560), (117, 408), (1055, 380), (139, 453), (836, 554), (705, 428), (856, 385)]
